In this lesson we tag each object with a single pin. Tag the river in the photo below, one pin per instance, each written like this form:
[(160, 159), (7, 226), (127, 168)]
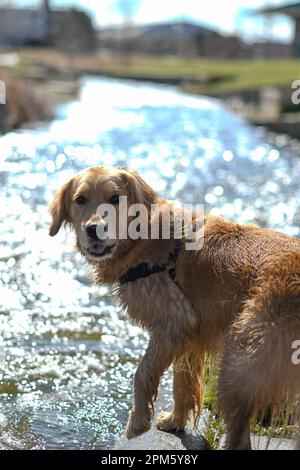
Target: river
[(67, 352)]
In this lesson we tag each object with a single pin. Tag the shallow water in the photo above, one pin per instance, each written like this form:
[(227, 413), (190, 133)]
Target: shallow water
[(67, 352)]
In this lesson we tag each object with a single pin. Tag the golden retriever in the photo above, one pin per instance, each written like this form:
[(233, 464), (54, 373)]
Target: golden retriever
[(240, 292)]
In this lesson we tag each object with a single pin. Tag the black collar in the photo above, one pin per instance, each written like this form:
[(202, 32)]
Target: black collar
[(145, 269), (139, 271)]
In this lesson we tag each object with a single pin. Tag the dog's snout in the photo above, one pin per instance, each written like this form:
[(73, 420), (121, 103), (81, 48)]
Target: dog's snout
[(97, 231), (91, 230)]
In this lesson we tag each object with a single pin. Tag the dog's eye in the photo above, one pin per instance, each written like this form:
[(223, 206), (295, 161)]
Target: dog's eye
[(80, 200), (115, 199)]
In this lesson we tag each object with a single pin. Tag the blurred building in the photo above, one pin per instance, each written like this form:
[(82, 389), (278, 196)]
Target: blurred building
[(68, 29), (270, 50), (292, 10), (178, 38)]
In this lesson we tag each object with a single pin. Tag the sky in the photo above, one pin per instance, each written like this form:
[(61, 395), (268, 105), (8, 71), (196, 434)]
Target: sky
[(225, 16)]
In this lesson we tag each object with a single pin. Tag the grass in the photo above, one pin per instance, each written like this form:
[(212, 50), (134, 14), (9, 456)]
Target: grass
[(199, 75), (215, 428), (214, 425), (216, 76)]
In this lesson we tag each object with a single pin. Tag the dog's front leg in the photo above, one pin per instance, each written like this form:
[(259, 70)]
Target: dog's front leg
[(159, 356), (188, 387)]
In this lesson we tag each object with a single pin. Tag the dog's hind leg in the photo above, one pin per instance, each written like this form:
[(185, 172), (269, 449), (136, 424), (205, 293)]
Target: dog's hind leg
[(236, 406), (188, 387), (239, 381), (257, 370)]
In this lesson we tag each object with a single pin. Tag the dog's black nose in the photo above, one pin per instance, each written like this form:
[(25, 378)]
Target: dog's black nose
[(91, 230)]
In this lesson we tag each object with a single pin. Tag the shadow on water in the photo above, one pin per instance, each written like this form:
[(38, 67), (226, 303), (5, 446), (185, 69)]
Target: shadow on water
[(67, 352)]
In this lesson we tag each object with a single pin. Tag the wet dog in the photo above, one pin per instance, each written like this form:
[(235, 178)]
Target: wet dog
[(238, 295)]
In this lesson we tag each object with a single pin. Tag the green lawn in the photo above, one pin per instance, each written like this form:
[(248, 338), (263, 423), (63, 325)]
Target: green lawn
[(206, 76), (215, 75)]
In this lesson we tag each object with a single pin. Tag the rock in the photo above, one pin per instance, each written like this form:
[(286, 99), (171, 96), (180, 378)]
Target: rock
[(152, 440), (159, 440)]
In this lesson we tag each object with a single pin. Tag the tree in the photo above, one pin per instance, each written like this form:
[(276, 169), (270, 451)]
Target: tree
[(128, 9)]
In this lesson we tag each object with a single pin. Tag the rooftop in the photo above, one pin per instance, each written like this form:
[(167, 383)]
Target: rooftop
[(291, 9)]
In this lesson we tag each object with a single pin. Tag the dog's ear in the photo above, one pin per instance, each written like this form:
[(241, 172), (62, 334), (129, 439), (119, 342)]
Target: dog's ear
[(59, 208), (138, 190)]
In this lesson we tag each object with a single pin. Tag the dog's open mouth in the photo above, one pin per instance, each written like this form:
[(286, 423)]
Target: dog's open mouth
[(99, 249)]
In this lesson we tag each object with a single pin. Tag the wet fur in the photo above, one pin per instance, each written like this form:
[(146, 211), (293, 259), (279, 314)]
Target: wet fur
[(239, 294)]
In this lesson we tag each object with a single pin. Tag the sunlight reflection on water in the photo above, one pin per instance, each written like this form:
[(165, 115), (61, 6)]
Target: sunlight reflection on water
[(67, 352)]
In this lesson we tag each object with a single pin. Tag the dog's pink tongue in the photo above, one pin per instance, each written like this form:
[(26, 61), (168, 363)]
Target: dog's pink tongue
[(97, 248)]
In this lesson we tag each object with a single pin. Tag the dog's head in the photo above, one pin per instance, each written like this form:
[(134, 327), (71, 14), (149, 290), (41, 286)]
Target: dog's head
[(85, 201)]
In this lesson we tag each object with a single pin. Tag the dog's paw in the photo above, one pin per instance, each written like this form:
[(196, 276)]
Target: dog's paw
[(137, 425), (169, 423)]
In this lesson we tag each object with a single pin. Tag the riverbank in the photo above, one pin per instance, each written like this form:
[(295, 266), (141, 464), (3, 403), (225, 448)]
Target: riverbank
[(259, 91), (23, 105), (207, 77), (29, 95)]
